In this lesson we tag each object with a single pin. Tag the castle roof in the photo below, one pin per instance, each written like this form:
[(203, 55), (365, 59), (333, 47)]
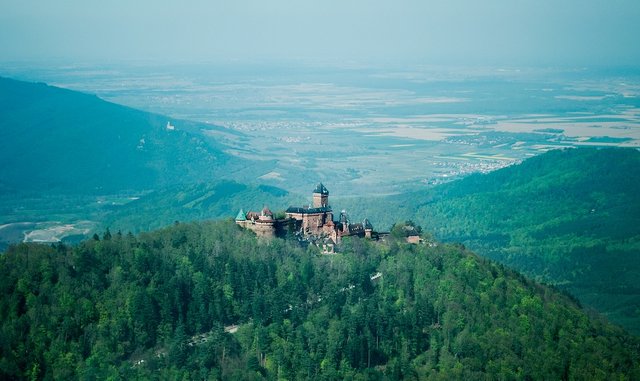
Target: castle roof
[(320, 188), (241, 216), (266, 212), (367, 224), (356, 228), (301, 210)]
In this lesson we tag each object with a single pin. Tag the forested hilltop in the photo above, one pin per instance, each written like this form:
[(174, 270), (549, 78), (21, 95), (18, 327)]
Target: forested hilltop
[(567, 217), (210, 301)]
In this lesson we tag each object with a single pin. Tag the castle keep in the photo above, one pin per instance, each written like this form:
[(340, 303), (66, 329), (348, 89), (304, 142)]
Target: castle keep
[(314, 221)]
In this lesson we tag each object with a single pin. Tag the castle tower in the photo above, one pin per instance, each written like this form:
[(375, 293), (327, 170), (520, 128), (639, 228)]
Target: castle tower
[(241, 218), (344, 220), (320, 196), (266, 214), (368, 228)]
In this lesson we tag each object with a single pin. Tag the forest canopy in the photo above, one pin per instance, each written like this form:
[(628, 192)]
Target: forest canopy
[(568, 217), (211, 301)]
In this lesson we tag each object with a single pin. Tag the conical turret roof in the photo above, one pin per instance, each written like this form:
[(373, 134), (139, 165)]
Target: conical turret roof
[(320, 188)]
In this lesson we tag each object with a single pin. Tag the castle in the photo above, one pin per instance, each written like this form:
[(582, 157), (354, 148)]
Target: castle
[(309, 222)]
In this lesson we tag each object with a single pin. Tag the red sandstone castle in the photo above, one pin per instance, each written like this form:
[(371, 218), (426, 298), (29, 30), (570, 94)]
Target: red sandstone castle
[(315, 222)]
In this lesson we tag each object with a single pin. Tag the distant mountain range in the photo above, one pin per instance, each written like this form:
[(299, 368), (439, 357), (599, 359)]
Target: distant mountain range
[(57, 140)]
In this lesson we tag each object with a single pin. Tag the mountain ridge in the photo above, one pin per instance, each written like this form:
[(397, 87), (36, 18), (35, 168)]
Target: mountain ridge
[(59, 139)]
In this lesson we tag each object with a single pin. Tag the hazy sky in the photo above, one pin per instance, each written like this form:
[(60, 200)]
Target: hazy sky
[(488, 32)]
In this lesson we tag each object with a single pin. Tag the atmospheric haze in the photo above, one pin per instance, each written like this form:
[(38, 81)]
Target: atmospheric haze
[(464, 32)]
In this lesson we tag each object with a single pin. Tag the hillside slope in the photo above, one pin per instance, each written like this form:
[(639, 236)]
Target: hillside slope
[(570, 218), (220, 199), (54, 139), (210, 301)]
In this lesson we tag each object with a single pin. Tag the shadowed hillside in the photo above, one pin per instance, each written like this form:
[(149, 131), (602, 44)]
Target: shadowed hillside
[(60, 140), (194, 202)]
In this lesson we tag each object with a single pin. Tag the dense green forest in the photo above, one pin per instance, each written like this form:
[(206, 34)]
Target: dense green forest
[(210, 301), (567, 217)]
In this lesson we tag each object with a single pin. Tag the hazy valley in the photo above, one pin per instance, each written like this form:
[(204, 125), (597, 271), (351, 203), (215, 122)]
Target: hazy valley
[(376, 129), (366, 131)]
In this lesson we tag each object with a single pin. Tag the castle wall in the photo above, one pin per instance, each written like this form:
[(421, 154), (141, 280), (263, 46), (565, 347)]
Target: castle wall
[(310, 222), (270, 228), (313, 223), (264, 229), (320, 200), (283, 227), (297, 216)]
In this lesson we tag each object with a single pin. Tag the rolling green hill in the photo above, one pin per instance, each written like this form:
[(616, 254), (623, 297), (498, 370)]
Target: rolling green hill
[(222, 199), (210, 301), (569, 218), (57, 140)]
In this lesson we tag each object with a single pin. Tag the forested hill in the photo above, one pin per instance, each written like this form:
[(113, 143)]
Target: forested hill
[(567, 217), (54, 139), (210, 301)]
